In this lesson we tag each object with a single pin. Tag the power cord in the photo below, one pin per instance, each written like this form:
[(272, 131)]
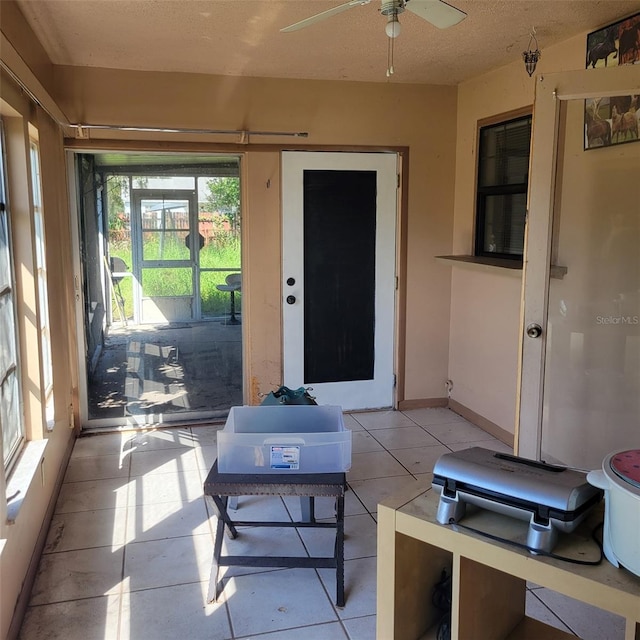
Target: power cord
[(441, 600), (539, 552)]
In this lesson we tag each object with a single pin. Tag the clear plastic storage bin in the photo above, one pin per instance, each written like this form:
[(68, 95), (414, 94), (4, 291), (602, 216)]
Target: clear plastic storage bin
[(284, 439)]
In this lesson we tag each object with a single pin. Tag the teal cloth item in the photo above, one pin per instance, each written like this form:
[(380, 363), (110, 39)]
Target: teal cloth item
[(284, 395)]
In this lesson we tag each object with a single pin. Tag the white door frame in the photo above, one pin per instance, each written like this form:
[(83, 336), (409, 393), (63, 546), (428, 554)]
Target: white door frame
[(551, 90), (86, 422), (78, 292), (137, 196), (385, 272)]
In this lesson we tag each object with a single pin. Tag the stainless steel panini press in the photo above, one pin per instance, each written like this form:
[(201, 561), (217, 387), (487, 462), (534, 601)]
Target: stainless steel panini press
[(552, 498)]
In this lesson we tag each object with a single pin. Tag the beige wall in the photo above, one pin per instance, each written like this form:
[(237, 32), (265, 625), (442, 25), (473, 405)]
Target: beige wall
[(22, 538), (346, 114), (20, 34), (485, 303), (260, 243)]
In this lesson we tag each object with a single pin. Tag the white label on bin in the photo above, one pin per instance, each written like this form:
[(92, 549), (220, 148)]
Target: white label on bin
[(285, 457)]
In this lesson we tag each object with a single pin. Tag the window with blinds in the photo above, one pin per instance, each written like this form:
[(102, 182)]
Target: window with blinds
[(503, 177)]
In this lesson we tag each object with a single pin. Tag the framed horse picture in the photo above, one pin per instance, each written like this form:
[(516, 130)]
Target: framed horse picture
[(610, 121)]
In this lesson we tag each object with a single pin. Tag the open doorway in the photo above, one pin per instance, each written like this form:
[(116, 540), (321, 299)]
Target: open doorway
[(160, 262)]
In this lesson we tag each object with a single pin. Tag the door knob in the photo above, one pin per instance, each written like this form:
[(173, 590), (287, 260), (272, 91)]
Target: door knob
[(291, 299), (534, 330)]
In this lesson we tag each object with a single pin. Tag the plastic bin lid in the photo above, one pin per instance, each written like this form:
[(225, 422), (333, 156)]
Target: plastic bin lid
[(626, 465)]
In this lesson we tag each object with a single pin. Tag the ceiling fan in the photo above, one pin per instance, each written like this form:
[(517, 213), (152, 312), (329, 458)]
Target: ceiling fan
[(437, 12)]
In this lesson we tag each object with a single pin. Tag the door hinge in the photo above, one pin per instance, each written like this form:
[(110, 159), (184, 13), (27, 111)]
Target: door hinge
[(396, 277), (398, 184), (395, 380)]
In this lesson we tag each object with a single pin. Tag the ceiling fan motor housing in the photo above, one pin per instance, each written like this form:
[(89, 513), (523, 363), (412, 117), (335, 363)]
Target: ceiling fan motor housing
[(392, 7)]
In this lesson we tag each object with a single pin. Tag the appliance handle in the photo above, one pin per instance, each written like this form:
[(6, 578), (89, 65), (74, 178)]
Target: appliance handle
[(598, 479), (531, 463)]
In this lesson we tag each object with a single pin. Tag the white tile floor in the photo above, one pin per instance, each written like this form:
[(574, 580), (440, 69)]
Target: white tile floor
[(129, 549)]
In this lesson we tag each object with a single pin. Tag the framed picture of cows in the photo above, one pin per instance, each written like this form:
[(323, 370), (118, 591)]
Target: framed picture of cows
[(610, 121)]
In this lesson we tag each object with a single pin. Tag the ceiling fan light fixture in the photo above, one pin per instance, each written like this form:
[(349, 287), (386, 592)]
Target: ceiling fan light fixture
[(393, 28)]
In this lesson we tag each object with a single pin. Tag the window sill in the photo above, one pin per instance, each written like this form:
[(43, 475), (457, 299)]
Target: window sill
[(477, 263), (22, 477), (505, 266)]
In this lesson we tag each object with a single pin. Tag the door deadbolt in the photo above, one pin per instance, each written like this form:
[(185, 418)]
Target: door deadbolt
[(534, 330), (291, 299), (291, 281)]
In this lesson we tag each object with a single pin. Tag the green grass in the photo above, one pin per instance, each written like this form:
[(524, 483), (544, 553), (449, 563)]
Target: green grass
[(223, 254)]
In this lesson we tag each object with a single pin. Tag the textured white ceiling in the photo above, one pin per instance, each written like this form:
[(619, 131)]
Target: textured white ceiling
[(242, 37)]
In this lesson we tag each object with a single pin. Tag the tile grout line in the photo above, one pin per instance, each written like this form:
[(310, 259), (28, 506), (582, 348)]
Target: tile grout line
[(552, 612), (124, 549)]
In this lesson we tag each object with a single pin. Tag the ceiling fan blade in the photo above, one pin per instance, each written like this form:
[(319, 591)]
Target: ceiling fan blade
[(324, 15), (438, 13)]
